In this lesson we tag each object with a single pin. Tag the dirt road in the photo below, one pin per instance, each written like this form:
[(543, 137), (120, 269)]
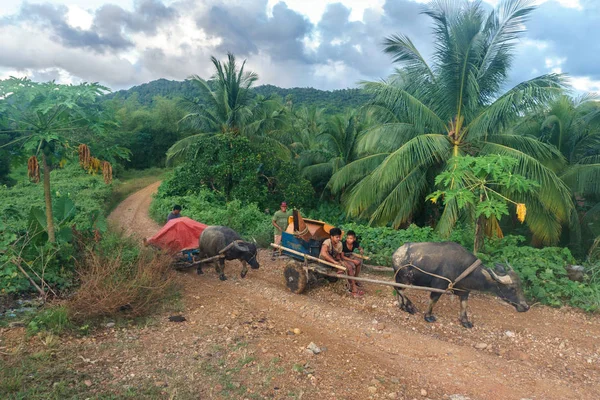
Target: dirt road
[(238, 342)]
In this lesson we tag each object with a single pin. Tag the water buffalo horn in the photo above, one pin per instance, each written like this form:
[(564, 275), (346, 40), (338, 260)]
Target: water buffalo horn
[(487, 275), (503, 279), (240, 248), (491, 276)]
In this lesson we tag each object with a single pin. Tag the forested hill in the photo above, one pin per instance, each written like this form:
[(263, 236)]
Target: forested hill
[(333, 101)]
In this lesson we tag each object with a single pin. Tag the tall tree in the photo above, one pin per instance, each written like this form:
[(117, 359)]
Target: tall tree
[(572, 125), (227, 105), (432, 112), (334, 147), (46, 116)]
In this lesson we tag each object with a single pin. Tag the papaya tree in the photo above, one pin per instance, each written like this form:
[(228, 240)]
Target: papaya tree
[(484, 187), (46, 116)]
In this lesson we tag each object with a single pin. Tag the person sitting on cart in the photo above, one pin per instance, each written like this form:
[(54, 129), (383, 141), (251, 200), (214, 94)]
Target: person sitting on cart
[(176, 213), (332, 250), (348, 246)]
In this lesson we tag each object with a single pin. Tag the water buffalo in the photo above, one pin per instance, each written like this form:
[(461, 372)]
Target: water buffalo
[(215, 240), (449, 260)]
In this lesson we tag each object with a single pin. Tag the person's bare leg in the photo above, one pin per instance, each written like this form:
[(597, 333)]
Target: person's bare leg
[(351, 272)]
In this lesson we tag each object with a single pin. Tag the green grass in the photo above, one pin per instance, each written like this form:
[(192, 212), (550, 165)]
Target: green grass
[(45, 375)]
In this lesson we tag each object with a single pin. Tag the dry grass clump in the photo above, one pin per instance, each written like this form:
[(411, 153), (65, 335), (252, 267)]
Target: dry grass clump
[(118, 283)]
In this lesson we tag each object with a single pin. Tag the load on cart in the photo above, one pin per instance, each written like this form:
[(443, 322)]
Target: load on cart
[(179, 237), (193, 244)]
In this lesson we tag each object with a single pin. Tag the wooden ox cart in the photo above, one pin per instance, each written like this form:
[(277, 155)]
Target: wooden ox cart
[(301, 243)]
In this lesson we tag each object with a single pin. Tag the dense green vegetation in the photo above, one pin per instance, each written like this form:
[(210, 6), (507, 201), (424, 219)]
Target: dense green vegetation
[(332, 102), (437, 151), (80, 202)]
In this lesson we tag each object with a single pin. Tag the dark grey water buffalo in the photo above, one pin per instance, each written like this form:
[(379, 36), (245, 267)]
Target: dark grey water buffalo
[(215, 240), (449, 260)]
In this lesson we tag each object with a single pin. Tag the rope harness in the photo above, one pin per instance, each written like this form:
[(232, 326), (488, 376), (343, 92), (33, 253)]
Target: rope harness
[(302, 232), (451, 284)]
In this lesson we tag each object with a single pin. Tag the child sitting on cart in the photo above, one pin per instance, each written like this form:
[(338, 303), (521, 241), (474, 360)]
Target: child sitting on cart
[(332, 251), (349, 245)]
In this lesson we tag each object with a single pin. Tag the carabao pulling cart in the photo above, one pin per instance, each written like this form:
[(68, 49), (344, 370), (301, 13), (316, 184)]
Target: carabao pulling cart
[(179, 237)]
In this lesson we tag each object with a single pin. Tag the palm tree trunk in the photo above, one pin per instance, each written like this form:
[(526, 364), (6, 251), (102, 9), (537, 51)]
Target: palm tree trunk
[(48, 200)]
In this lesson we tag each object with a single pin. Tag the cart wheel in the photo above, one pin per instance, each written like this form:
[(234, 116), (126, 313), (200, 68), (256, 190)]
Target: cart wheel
[(295, 277)]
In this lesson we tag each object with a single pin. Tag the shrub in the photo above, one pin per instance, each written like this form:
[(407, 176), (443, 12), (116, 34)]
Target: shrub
[(114, 279), (206, 207), (52, 319), (381, 242), (543, 273), (89, 193), (236, 169)]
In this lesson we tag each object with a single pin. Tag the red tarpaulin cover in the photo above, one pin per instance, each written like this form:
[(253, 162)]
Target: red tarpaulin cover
[(178, 234)]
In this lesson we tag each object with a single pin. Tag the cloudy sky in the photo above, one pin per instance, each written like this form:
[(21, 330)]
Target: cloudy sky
[(327, 44)]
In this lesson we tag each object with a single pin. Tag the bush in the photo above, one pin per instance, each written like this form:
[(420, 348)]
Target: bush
[(120, 278), (543, 273), (206, 207), (50, 262), (89, 193), (236, 169), (381, 242)]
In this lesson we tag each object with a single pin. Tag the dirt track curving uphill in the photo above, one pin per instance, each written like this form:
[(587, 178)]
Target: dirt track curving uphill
[(238, 341)]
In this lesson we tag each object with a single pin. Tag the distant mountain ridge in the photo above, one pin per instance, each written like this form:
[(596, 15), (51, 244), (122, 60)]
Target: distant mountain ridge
[(333, 101)]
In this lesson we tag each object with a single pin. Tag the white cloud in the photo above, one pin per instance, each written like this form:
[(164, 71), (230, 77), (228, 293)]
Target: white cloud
[(585, 84), (554, 62), (570, 4), (314, 9), (10, 7), (538, 44), (77, 17)]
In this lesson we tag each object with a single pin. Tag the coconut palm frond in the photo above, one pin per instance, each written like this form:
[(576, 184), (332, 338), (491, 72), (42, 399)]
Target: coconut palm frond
[(401, 102), (318, 171), (399, 204), (583, 179), (528, 96), (404, 52), (386, 137), (355, 171), (182, 148), (545, 153)]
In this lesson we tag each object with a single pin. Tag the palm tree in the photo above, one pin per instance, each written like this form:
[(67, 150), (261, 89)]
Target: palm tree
[(334, 146), (573, 126), (432, 112), (227, 106), (307, 123), (230, 109)]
